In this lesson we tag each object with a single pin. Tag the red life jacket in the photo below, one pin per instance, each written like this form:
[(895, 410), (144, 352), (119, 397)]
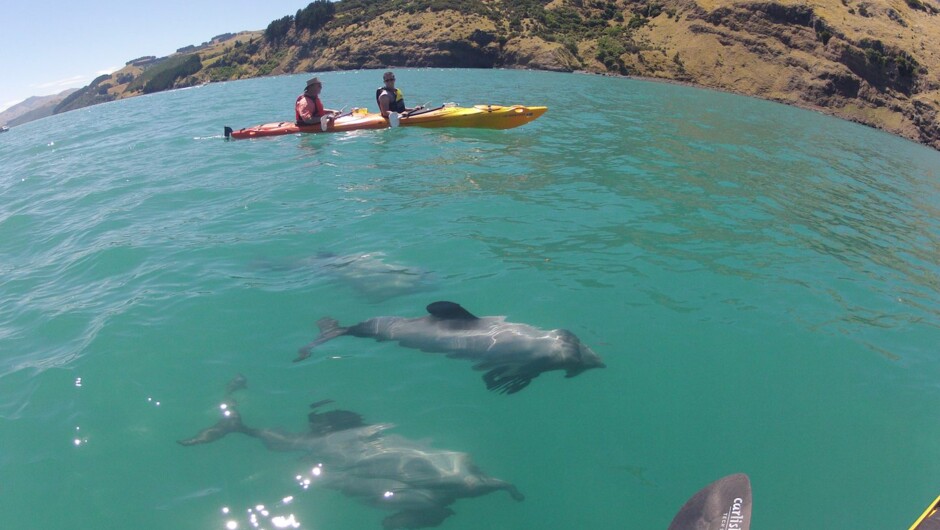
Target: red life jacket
[(314, 102)]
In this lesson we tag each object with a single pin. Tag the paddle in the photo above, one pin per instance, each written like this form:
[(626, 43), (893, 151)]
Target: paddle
[(417, 109), (722, 505), (354, 110), (423, 111), (394, 118), (325, 119)]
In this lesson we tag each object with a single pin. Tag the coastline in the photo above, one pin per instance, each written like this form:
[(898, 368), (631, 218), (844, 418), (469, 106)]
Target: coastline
[(827, 111), (878, 69)]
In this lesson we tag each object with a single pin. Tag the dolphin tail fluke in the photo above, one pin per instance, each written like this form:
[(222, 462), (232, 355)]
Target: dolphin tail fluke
[(239, 382), (514, 492), (329, 329), (232, 422)]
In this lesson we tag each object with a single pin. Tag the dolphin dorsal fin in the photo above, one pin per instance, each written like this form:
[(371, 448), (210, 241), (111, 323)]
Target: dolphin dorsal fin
[(449, 311)]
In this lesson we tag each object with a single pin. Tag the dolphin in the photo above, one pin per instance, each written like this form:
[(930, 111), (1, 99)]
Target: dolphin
[(512, 354), (417, 482), (373, 277), (369, 274)]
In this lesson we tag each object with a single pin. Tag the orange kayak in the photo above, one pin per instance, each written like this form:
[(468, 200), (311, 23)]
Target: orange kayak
[(350, 122)]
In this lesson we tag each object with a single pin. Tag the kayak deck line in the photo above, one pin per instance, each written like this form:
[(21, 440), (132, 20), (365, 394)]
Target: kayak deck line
[(478, 117), (930, 519)]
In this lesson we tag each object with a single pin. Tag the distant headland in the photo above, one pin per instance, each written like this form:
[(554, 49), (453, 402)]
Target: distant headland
[(873, 62)]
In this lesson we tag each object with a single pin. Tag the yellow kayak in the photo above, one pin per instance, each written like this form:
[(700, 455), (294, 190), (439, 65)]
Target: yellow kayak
[(930, 519), (477, 116)]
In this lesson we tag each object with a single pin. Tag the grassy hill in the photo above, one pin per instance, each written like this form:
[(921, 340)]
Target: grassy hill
[(32, 109), (874, 62)]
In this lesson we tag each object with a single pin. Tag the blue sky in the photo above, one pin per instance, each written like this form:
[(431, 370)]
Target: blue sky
[(51, 46)]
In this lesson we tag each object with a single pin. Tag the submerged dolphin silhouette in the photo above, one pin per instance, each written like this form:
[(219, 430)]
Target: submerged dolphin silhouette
[(512, 354), (370, 274), (373, 277), (385, 471)]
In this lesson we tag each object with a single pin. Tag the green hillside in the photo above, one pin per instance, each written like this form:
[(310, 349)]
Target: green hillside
[(872, 62)]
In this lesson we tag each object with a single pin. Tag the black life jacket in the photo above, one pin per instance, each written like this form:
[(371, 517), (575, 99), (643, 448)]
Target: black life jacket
[(398, 101)]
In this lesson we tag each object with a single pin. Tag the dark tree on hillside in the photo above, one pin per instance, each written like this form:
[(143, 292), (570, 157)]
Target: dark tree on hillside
[(278, 29), (164, 79), (314, 16)]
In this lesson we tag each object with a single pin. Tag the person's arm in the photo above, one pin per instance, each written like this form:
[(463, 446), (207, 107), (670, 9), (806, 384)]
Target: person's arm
[(331, 113), (383, 104), (409, 111), (304, 111)]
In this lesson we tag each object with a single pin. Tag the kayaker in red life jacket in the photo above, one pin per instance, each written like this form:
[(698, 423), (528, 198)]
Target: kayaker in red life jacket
[(309, 109), (390, 99)]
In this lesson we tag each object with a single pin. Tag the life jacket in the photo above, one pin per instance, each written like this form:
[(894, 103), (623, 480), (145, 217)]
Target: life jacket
[(398, 102), (317, 108)]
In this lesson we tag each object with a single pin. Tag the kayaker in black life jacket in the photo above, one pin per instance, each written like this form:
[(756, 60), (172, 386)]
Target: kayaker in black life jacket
[(390, 99)]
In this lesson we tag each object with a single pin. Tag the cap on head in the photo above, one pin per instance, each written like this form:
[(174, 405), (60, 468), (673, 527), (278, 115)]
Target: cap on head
[(314, 81)]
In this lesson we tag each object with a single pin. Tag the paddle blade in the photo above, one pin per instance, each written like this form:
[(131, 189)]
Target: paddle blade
[(722, 505), (393, 119), (324, 122)]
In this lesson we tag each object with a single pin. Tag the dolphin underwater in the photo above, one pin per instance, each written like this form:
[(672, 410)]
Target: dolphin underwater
[(390, 472), (373, 277), (512, 354), (369, 274)]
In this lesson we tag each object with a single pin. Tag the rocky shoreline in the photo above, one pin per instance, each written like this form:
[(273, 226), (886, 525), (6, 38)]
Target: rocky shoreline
[(877, 64)]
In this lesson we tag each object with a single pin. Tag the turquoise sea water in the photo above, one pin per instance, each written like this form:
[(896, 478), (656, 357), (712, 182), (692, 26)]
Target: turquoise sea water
[(761, 281)]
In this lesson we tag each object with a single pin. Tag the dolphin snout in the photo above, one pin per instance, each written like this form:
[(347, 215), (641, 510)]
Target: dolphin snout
[(590, 359), (587, 359)]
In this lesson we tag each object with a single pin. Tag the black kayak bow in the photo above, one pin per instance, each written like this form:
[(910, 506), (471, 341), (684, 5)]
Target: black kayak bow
[(722, 505)]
